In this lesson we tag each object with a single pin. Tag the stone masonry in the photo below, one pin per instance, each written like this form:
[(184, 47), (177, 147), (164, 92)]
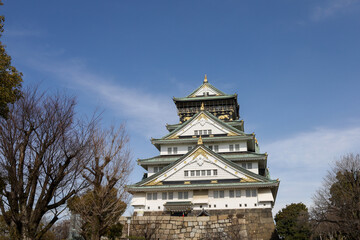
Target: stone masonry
[(247, 224)]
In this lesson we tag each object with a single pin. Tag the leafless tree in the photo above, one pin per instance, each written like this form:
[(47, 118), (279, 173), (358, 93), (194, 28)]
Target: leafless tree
[(107, 173), (336, 211), (44, 148)]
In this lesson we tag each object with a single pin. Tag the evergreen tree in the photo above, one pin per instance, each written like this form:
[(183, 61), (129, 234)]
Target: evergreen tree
[(292, 222)]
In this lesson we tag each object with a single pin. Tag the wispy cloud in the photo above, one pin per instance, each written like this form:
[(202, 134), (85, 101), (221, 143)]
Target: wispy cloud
[(301, 161), (332, 8), (22, 32), (145, 112)]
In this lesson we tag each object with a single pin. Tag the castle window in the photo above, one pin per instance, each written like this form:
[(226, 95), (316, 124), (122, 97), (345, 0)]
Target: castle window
[(192, 173), (243, 165), (175, 150), (253, 193), (149, 196), (231, 148), (240, 205), (197, 172), (154, 196), (209, 131), (164, 196), (203, 172), (156, 169), (208, 172), (248, 193), (249, 165), (189, 148), (221, 194), (216, 148), (231, 193), (205, 132), (210, 147), (237, 147), (238, 193), (216, 194), (200, 132), (180, 195), (171, 195), (245, 205), (214, 205), (186, 195), (169, 150), (186, 173), (215, 172), (226, 205)]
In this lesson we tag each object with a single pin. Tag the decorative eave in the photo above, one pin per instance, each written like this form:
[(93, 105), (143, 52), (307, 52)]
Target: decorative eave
[(271, 184), (205, 98), (154, 177), (210, 116), (205, 84), (235, 156), (206, 140)]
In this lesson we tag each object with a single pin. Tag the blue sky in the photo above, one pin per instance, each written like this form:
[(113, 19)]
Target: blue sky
[(295, 66)]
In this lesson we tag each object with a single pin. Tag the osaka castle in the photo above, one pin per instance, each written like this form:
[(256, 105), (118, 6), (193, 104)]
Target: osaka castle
[(207, 164)]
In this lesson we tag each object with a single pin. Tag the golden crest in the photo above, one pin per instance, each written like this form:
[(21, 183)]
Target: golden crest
[(200, 152)]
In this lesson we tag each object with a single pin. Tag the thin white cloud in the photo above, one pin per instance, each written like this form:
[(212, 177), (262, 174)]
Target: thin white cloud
[(301, 161), (332, 8), (145, 112), (18, 32)]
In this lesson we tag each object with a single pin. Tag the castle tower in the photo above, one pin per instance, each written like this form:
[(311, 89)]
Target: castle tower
[(207, 163)]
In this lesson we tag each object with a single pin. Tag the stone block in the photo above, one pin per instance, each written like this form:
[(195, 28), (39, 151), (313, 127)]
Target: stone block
[(205, 218)]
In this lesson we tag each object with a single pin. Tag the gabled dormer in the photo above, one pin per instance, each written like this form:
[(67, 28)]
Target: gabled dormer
[(222, 105)]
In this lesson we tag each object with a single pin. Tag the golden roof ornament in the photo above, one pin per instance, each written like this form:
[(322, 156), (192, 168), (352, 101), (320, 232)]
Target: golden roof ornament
[(205, 79), (200, 142), (202, 108)]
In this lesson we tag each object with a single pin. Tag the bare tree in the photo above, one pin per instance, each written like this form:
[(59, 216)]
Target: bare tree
[(102, 205), (336, 211), (44, 148)]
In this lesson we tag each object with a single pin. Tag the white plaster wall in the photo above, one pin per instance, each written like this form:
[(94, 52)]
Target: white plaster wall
[(221, 173), (223, 147), (255, 166), (181, 149), (158, 205), (212, 203), (215, 129), (138, 199), (265, 195), (201, 91), (223, 169)]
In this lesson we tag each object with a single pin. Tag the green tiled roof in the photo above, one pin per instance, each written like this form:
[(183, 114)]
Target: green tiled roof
[(207, 84), (166, 159), (270, 183), (204, 98), (224, 124), (234, 165), (205, 139)]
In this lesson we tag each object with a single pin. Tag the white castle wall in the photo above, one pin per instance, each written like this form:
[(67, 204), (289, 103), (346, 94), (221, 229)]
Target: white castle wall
[(223, 147), (212, 203)]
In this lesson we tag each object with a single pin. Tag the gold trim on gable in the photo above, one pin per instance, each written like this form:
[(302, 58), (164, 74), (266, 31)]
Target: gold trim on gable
[(249, 179), (199, 152)]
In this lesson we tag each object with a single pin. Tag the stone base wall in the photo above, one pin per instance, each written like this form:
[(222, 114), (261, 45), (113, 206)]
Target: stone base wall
[(247, 224)]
